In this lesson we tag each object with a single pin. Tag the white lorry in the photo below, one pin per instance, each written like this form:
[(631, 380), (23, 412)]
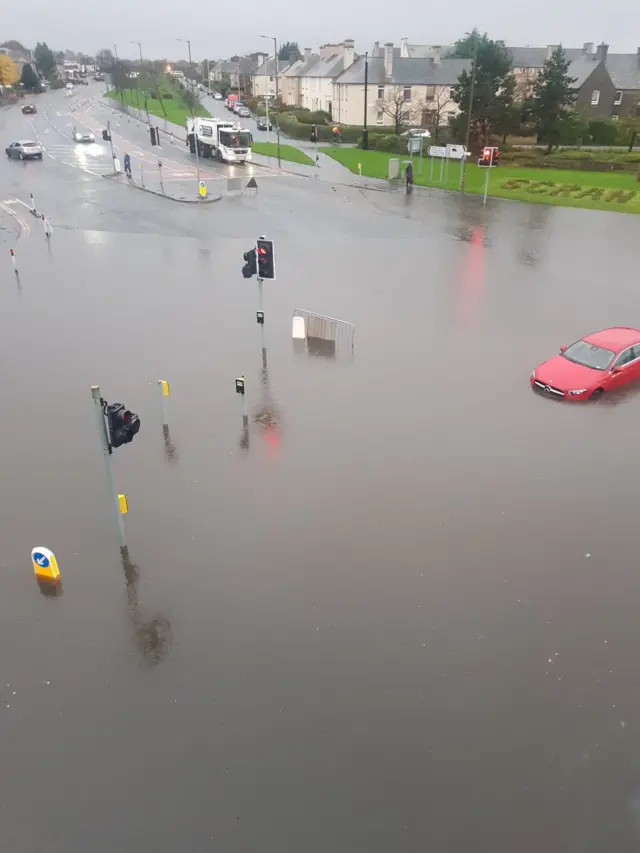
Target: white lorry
[(219, 138)]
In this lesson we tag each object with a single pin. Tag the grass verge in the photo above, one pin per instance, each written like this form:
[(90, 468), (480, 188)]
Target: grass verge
[(287, 152), (176, 110), (571, 188)]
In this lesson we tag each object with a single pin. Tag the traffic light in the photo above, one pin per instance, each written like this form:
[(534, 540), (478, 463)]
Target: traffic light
[(122, 424), (489, 156), (249, 269), (106, 135), (266, 259)]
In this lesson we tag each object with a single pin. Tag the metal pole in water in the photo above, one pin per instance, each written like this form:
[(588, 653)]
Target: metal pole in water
[(163, 392), (486, 185), (106, 453)]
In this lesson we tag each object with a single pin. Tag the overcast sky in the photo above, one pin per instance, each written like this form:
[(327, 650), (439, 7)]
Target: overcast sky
[(225, 29)]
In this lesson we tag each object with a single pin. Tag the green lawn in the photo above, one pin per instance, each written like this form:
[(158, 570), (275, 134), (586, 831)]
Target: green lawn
[(543, 186), (287, 152), (175, 108)]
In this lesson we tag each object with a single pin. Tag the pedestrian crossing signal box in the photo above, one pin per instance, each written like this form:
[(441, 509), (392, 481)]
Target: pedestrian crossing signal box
[(489, 156), (240, 385), (106, 136)]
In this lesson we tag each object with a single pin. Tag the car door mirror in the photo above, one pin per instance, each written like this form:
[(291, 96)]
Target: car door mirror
[(563, 348)]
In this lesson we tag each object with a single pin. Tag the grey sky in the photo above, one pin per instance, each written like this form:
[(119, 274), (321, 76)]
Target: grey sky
[(235, 28)]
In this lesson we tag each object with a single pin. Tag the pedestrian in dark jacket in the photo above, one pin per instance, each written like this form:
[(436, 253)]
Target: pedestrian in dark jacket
[(409, 176)]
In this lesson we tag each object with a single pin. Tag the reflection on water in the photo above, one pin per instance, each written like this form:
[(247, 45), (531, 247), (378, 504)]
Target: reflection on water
[(152, 634)]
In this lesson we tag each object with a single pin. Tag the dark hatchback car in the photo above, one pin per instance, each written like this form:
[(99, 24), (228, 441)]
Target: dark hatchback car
[(29, 109), (262, 124)]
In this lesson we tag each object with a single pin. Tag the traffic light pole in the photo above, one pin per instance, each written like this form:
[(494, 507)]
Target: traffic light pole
[(106, 453), (113, 156)]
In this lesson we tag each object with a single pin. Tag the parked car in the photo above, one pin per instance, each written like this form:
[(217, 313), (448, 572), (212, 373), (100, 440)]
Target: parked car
[(244, 112), (29, 109), (596, 363), (262, 124), (24, 151), (217, 96), (83, 136)]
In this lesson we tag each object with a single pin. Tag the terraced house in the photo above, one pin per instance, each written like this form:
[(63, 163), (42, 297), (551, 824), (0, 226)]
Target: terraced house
[(419, 83)]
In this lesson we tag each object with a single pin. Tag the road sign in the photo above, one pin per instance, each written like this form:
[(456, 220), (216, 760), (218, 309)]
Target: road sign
[(202, 189), (437, 151), (45, 564), (414, 145), (457, 152)]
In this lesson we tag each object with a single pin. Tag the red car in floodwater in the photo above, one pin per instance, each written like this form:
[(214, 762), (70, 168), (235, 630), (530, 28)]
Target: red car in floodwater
[(589, 367)]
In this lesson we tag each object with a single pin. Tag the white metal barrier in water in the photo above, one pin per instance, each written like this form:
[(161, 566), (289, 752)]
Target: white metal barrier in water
[(320, 327)]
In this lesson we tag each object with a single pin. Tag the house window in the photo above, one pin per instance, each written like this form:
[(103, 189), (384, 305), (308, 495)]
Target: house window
[(618, 99), (380, 93), (270, 79), (431, 93), (407, 93), (615, 118), (380, 118), (595, 97)]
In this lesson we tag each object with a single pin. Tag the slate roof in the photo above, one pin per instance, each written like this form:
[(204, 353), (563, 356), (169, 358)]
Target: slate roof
[(535, 57), (624, 70), (270, 67), (424, 51), (407, 72)]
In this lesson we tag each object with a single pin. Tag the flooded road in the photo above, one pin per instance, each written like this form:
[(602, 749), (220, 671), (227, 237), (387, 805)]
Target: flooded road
[(401, 615)]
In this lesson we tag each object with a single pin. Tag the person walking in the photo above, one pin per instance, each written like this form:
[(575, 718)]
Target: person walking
[(409, 176), (127, 165)]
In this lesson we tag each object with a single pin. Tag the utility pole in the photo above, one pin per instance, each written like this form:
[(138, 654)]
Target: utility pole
[(365, 132), (138, 81), (275, 60), (115, 53), (195, 138), (113, 154), (471, 93), (266, 100)]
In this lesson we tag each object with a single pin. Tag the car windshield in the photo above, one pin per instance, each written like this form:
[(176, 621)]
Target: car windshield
[(589, 355)]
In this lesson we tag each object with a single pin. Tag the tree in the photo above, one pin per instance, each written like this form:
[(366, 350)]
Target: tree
[(289, 51), (398, 108), (45, 60), (434, 109), (553, 98), (105, 59), (8, 71), (493, 87), (29, 78), (12, 44)]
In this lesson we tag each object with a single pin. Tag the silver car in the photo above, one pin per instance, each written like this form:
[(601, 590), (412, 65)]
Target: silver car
[(24, 151), (83, 136)]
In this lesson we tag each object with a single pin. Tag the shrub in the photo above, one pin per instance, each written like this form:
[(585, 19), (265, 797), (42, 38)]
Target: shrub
[(603, 132), (57, 83)]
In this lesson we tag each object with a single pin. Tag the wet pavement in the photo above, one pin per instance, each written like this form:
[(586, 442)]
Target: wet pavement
[(399, 613)]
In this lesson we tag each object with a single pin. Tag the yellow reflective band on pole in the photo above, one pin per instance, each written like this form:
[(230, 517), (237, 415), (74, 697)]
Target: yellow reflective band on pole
[(164, 385), (122, 503)]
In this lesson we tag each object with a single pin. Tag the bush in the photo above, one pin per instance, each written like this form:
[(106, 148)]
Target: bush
[(603, 133), (388, 142), (57, 83)]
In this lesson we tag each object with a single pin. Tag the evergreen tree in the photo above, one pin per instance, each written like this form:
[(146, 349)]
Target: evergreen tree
[(45, 59), (553, 98), (29, 78), (493, 86)]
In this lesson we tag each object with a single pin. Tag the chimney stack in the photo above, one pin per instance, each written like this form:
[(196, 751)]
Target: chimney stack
[(388, 59), (601, 52), (376, 48), (404, 50), (587, 48), (437, 54), (349, 52), (307, 53), (550, 49)]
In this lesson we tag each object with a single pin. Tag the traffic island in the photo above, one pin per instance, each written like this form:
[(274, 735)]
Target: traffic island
[(183, 192)]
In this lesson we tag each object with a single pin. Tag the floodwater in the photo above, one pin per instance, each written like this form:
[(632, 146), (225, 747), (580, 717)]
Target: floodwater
[(400, 614)]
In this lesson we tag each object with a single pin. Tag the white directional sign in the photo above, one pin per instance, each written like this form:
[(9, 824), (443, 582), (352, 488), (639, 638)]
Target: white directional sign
[(457, 152), (437, 151), (414, 145)]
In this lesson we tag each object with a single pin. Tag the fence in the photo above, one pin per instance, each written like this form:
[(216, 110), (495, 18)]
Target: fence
[(319, 327)]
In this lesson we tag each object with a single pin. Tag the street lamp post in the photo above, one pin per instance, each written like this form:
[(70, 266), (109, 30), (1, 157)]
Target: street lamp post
[(138, 81), (365, 132), (195, 138), (115, 53), (275, 106), (468, 136)]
